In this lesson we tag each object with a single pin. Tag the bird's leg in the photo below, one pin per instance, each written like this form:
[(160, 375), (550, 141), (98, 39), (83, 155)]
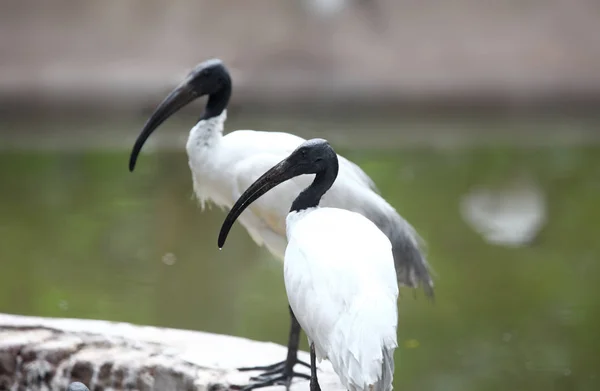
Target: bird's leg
[(314, 382), (280, 373)]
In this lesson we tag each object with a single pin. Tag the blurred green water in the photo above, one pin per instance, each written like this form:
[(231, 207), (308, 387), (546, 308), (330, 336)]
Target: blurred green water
[(81, 236)]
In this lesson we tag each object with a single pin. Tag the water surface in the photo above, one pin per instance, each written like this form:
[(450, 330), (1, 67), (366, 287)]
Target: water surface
[(83, 237)]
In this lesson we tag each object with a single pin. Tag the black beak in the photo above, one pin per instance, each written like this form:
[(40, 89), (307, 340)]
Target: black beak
[(178, 98), (280, 173)]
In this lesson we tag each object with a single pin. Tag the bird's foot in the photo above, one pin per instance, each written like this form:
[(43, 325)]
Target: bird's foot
[(275, 374), (280, 366)]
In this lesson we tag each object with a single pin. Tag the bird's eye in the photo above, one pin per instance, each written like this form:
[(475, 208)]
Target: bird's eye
[(205, 72)]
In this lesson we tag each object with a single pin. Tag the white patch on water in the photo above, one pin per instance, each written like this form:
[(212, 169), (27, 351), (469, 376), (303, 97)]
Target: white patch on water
[(509, 216)]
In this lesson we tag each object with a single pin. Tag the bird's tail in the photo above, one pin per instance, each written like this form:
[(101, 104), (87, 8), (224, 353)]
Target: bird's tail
[(362, 348), (412, 267), (408, 247), (387, 372)]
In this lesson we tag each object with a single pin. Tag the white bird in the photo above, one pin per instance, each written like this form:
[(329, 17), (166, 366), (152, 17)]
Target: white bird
[(339, 273), (224, 166)]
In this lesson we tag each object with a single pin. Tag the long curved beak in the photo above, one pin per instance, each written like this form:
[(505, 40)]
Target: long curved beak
[(280, 173), (178, 98)]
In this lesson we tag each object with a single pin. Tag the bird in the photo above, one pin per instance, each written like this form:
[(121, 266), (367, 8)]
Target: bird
[(223, 166), (77, 386), (338, 271)]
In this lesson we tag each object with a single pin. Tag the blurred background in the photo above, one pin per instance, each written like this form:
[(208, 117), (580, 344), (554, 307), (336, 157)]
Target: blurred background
[(478, 121)]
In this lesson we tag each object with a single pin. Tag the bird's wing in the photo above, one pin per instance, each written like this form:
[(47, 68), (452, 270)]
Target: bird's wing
[(341, 285), (408, 247), (357, 173), (282, 144)]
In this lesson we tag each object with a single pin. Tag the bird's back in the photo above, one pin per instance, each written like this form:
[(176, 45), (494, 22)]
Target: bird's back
[(341, 284)]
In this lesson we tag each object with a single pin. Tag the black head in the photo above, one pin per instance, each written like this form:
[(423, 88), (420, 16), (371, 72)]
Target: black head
[(208, 78), (312, 157)]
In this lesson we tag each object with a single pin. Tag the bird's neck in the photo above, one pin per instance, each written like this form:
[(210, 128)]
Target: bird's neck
[(209, 128), (218, 101), (311, 196), (206, 134)]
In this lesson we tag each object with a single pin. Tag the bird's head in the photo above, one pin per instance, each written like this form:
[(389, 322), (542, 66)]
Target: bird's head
[(311, 157), (207, 78), (211, 78)]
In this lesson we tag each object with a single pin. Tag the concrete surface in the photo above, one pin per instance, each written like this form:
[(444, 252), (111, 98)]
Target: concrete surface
[(49, 353)]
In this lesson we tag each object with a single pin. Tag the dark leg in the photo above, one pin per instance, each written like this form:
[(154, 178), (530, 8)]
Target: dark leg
[(314, 382), (280, 373)]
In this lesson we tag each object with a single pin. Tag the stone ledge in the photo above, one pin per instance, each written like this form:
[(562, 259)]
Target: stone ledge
[(49, 353)]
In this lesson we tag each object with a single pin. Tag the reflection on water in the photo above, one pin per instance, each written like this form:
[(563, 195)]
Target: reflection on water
[(83, 237), (510, 215)]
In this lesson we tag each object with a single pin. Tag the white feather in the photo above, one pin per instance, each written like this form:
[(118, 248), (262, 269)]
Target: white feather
[(224, 166), (341, 286)]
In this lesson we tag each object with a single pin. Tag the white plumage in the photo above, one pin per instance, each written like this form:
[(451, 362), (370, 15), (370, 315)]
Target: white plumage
[(224, 166), (340, 282)]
